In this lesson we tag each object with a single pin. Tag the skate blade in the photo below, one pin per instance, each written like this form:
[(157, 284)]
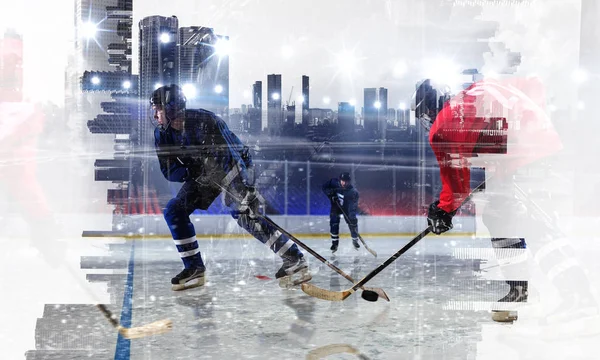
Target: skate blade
[(194, 283), (504, 316), (288, 282)]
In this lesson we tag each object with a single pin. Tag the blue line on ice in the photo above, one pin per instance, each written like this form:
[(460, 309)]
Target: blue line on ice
[(123, 348)]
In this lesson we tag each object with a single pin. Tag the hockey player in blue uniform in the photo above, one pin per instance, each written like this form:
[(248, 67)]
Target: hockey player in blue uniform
[(344, 200), (197, 148)]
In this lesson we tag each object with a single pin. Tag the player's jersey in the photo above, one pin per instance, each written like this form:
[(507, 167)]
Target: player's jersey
[(207, 140), (512, 110), (347, 196)]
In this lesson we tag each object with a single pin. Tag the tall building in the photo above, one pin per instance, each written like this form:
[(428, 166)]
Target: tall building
[(403, 116), (274, 109), (391, 115), (382, 113), (11, 67), (100, 86), (305, 101), (94, 34), (375, 112), (158, 64), (204, 69), (257, 95), (370, 111), (346, 114)]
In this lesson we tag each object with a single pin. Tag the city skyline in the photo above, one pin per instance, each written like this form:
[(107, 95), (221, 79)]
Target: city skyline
[(384, 37)]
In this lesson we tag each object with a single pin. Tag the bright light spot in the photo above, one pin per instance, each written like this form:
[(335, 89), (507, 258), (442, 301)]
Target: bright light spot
[(400, 69), (219, 89), (287, 51), (552, 108), (300, 99), (326, 100), (157, 85), (189, 90), (275, 96), (580, 105), (580, 76), (347, 62), (126, 84), (246, 94), (88, 30), (443, 72), (165, 38), (95, 80), (377, 104), (402, 106), (223, 47), (352, 102)]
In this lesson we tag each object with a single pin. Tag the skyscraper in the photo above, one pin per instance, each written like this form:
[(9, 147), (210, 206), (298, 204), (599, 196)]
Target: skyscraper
[(158, 64), (370, 111), (204, 69), (305, 101), (375, 112), (95, 34), (346, 117), (257, 95), (274, 110), (382, 113)]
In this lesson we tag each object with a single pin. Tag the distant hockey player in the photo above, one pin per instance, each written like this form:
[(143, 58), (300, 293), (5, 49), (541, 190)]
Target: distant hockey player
[(474, 122), (197, 148), (344, 200)]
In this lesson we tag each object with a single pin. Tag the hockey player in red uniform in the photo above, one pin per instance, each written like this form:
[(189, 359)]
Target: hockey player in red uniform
[(503, 120)]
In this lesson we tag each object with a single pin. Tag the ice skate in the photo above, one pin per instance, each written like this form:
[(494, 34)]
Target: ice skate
[(188, 279), (517, 294), (334, 246), (355, 243), (293, 272)]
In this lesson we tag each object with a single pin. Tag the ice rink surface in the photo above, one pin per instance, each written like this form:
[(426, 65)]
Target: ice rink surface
[(441, 294)]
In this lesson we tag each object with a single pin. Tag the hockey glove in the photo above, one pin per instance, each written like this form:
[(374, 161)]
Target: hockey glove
[(250, 203), (335, 200), (439, 220)]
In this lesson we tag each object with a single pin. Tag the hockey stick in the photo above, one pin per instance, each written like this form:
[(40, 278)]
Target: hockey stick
[(155, 328), (332, 349), (329, 295), (369, 294), (360, 237)]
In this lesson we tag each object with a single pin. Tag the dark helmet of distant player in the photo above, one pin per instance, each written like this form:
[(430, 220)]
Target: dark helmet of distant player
[(170, 98), (425, 101), (345, 176)]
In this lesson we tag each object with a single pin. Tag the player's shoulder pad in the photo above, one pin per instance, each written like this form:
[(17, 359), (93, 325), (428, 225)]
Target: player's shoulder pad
[(203, 119), (200, 114)]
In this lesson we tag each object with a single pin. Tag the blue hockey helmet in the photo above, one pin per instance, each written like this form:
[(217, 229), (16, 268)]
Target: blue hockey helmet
[(171, 99), (345, 176)]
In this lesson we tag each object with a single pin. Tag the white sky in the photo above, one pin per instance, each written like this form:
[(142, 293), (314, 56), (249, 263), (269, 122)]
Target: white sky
[(298, 38)]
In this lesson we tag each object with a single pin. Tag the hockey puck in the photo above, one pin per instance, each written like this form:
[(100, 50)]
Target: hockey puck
[(370, 295)]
